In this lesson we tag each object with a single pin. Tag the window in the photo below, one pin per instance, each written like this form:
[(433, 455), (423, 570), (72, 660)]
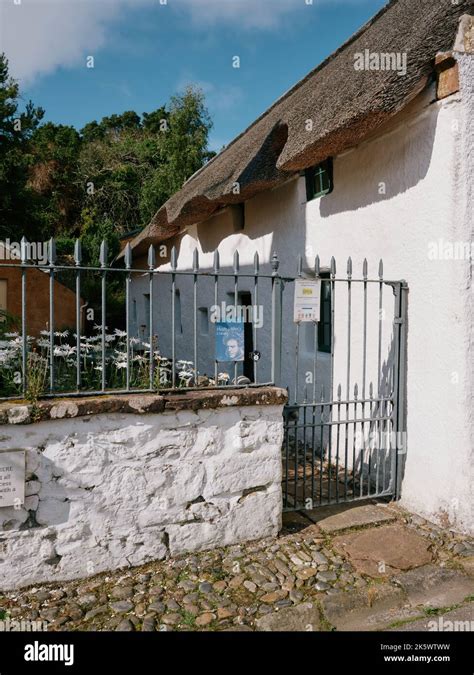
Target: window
[(319, 180), (324, 325)]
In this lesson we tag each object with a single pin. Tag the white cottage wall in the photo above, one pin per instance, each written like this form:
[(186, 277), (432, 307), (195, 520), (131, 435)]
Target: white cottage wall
[(395, 195)]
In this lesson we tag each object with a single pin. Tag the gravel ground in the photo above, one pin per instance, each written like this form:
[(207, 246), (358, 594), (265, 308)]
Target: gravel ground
[(224, 589)]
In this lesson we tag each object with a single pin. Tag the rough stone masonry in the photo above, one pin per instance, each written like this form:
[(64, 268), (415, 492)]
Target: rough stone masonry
[(115, 482)]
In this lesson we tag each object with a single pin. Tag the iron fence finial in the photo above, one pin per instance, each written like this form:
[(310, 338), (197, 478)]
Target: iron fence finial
[(195, 260), (151, 257), (103, 253), (77, 252), (275, 263), (256, 263), (236, 262), (174, 258), (128, 256), (217, 260), (317, 266), (52, 251), (24, 250)]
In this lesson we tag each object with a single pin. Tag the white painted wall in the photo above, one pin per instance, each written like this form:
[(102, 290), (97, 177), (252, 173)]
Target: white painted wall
[(420, 162), (107, 491), (424, 159)]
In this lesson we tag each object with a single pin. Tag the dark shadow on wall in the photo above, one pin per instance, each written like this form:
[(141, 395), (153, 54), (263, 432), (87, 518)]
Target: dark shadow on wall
[(210, 233), (163, 251)]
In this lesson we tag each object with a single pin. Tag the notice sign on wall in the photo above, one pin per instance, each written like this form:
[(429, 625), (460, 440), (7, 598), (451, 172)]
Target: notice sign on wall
[(12, 478), (307, 300)]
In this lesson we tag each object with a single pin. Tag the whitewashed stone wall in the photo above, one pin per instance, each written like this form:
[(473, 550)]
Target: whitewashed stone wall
[(109, 491)]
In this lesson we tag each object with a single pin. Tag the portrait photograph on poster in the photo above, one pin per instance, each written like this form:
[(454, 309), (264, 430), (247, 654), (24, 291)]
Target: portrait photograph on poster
[(230, 341)]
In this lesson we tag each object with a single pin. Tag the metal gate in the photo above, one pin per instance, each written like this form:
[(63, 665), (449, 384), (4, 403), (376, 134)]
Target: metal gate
[(344, 424)]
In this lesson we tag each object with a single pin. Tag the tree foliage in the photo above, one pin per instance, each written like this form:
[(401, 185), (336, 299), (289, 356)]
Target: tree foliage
[(16, 131), (131, 166)]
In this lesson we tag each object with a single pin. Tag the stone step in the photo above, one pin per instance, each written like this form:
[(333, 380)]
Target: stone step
[(373, 608), (457, 620), (304, 617), (433, 586), (407, 597), (332, 519)]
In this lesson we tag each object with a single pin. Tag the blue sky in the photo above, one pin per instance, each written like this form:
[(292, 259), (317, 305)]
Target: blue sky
[(145, 51)]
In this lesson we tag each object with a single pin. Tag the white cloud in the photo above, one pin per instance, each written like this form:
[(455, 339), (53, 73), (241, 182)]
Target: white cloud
[(40, 36), (241, 13), (261, 14)]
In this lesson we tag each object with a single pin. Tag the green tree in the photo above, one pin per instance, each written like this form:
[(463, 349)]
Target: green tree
[(132, 167), (16, 129), (156, 121), (110, 176), (53, 177), (117, 124), (99, 183), (92, 131), (182, 150)]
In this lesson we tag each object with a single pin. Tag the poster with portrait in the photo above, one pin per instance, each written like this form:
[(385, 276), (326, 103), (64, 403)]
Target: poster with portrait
[(230, 345)]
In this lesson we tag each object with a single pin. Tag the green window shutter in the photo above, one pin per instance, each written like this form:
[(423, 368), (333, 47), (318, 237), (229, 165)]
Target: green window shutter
[(319, 179)]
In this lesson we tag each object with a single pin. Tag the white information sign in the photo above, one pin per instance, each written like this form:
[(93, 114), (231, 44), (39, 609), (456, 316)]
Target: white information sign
[(12, 478), (307, 300)]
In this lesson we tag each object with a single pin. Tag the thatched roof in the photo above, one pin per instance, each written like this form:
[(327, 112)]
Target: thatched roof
[(343, 103)]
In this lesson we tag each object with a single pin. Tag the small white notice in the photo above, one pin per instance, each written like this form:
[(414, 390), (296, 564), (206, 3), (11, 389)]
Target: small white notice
[(12, 478), (307, 300)]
